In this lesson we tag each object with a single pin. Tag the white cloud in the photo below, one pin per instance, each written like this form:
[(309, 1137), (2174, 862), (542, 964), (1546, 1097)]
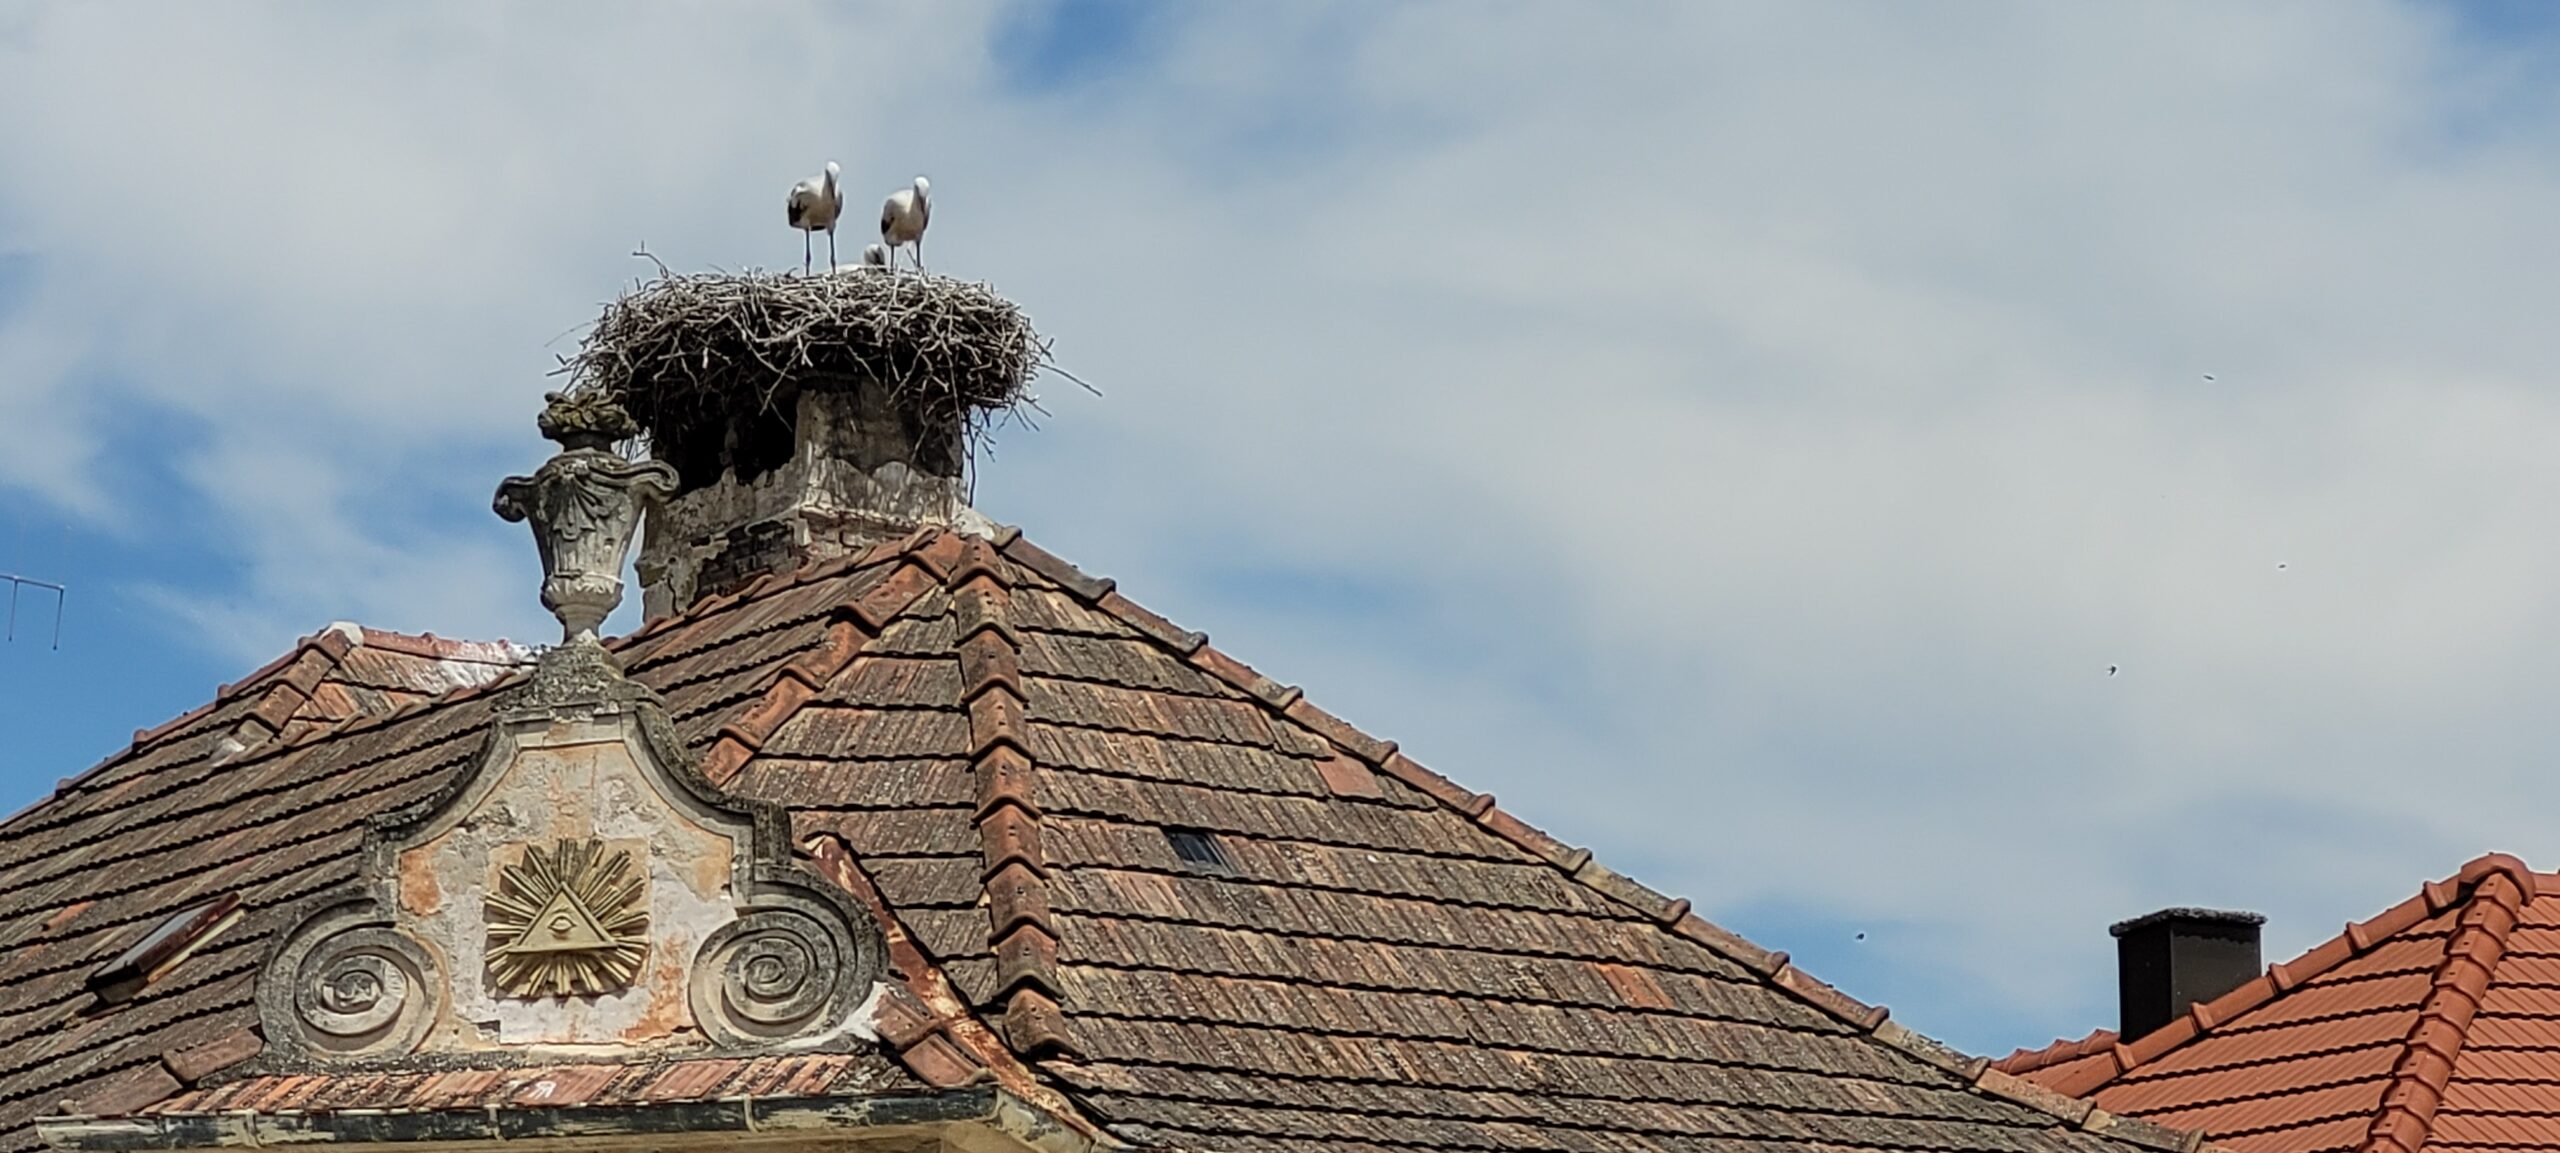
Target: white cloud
[(1778, 417), (45, 446)]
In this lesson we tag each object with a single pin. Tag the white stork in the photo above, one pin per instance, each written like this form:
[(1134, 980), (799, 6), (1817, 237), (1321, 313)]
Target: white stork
[(814, 205), (903, 217)]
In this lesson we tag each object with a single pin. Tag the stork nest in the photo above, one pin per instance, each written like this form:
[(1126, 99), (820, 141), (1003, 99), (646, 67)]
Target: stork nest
[(690, 354)]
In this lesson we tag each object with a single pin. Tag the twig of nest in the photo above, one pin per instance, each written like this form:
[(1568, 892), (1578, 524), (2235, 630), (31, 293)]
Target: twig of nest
[(691, 351)]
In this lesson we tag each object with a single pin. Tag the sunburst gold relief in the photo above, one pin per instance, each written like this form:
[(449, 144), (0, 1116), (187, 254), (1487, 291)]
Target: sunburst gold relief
[(570, 921)]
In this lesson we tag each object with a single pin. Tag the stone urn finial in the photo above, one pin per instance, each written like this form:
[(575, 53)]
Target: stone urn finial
[(585, 504)]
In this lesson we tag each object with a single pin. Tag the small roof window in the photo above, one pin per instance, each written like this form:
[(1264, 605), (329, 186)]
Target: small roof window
[(1200, 850), (172, 941)]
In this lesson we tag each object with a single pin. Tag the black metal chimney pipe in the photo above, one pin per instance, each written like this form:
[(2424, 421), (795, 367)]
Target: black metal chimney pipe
[(2169, 960)]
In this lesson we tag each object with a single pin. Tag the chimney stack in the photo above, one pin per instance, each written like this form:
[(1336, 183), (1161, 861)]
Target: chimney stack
[(821, 474), (2172, 959), (802, 417)]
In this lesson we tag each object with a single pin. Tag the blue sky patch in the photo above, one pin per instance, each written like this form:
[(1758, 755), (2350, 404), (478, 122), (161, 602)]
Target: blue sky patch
[(1047, 46)]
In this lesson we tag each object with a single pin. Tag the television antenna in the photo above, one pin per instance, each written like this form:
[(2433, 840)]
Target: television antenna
[(17, 584)]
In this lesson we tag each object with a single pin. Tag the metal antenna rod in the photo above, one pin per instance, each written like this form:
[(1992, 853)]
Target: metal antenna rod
[(60, 595)]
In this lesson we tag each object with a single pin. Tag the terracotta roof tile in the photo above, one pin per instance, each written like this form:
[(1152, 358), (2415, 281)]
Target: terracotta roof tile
[(2434, 1023), (988, 748)]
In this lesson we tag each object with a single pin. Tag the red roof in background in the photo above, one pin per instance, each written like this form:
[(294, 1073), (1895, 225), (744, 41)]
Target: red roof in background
[(2435, 1025)]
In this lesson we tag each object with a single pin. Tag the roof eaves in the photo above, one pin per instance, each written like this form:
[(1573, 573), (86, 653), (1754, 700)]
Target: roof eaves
[(638, 1125), (1673, 913)]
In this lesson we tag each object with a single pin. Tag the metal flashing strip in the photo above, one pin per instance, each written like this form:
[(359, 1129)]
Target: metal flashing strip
[(590, 1126)]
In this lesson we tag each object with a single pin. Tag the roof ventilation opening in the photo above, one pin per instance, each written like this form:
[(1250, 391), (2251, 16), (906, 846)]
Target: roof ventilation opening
[(151, 958), (2175, 958), (1199, 850)]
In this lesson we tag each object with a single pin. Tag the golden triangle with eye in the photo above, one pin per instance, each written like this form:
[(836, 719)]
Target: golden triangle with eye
[(573, 921)]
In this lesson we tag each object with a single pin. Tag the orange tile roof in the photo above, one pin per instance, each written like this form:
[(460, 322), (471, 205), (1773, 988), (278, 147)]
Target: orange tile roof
[(2433, 1025)]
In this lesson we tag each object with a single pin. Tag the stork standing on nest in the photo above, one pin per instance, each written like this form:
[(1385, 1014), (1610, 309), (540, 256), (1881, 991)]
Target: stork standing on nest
[(903, 217), (814, 205)]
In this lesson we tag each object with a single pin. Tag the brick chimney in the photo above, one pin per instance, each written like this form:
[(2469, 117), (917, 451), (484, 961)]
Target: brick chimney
[(2172, 959), (818, 474)]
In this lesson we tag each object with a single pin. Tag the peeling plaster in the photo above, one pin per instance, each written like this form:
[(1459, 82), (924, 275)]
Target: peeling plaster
[(573, 780)]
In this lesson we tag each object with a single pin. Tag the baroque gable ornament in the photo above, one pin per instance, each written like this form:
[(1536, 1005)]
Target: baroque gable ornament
[(579, 887)]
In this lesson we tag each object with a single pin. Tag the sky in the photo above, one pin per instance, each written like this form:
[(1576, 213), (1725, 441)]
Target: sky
[(1922, 482)]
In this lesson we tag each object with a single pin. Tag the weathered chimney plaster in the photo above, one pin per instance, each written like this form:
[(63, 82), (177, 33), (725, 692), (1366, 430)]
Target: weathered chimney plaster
[(857, 474)]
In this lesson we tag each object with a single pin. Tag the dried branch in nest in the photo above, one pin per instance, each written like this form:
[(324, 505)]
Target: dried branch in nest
[(689, 353)]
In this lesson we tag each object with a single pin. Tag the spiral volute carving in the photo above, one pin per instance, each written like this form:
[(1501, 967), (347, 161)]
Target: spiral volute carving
[(771, 973), (364, 991)]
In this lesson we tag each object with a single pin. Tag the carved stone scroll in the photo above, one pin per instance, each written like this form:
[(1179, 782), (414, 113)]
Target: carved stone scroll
[(774, 973), (346, 986)]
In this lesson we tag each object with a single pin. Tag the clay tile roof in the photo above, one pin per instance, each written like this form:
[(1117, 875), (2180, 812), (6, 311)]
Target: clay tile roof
[(341, 672), (2433, 1025), (988, 748)]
